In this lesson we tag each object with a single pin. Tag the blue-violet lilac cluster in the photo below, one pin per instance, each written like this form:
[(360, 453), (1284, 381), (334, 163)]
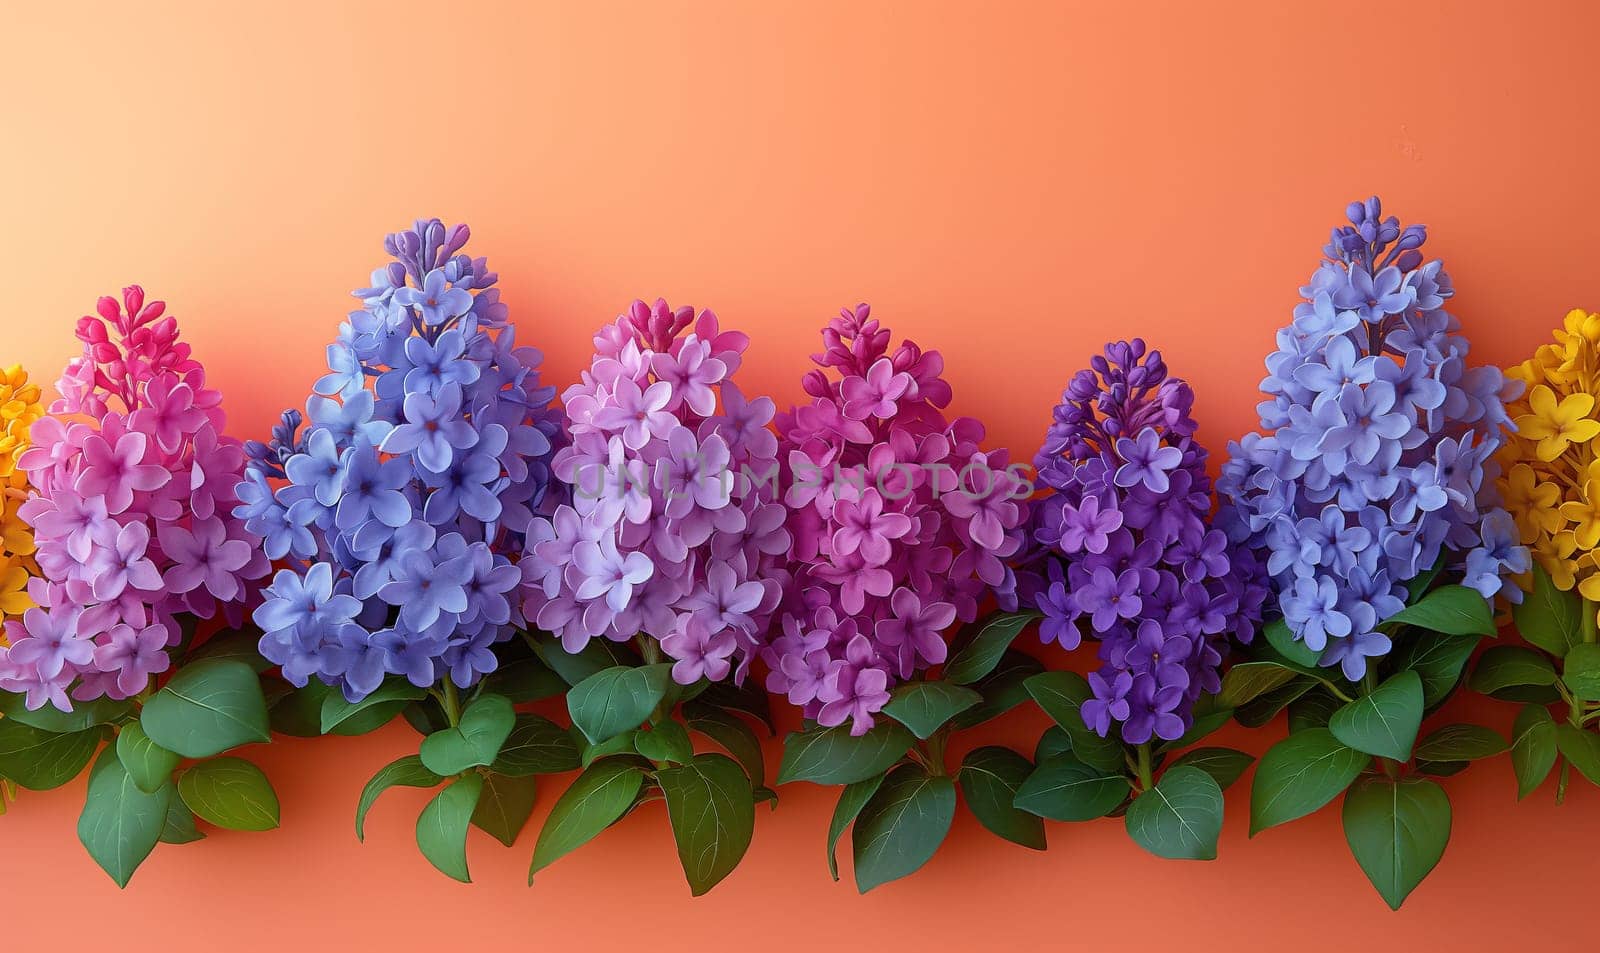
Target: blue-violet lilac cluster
[(402, 498), (1374, 459)]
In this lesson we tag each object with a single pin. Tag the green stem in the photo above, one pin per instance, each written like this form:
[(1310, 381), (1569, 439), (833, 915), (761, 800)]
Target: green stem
[(1561, 783), (1146, 782), (935, 747), (452, 703), (1369, 681), (1590, 608)]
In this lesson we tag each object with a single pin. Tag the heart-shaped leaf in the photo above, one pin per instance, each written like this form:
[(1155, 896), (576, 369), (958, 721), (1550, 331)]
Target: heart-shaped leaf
[(1397, 830), (231, 793), (1511, 666), (1581, 749), (120, 824), (485, 725), (406, 772), (600, 795), (712, 810), (442, 826), (924, 707), (393, 693), (617, 699), (980, 656), (1383, 722), (83, 716), (902, 826), (1533, 748), (180, 827), (1181, 817), (149, 764), (536, 745), (40, 760), (1438, 660), (1065, 789), (1300, 774), (1460, 743), (1548, 617), (731, 732), (208, 708), (852, 798), (989, 779), (1452, 610), (504, 806), (666, 741), (1061, 695), (834, 756), (1247, 681), (1225, 765), (1580, 671)]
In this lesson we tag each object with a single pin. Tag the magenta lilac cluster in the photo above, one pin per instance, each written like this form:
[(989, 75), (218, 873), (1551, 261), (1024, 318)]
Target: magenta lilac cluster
[(902, 524), (402, 499), (134, 488), (1376, 451), (1128, 553), (671, 529)]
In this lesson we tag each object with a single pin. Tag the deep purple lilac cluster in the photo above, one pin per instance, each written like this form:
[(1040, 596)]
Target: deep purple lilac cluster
[(403, 497), (1127, 551)]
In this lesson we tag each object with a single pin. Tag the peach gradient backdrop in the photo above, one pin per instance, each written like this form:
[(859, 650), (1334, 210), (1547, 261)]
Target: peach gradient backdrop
[(1011, 183)]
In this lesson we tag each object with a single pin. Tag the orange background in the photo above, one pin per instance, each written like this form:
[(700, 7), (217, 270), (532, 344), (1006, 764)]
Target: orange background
[(1012, 183)]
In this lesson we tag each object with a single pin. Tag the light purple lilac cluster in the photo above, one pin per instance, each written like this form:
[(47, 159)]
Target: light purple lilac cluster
[(403, 502), (1375, 456), (902, 524), (1127, 553), (671, 530), (133, 491)]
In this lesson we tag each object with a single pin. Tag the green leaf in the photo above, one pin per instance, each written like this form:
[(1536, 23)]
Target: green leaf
[(120, 824), (712, 811), (1442, 769), (1580, 748), (1002, 689), (902, 826), (1248, 681), (1423, 580), (208, 708), (1282, 639), (617, 699), (442, 826), (298, 711), (600, 795), (666, 741), (924, 707), (1265, 708), (1383, 722), (84, 715), (337, 712), (1181, 817), (1225, 765), (536, 745), (852, 798), (179, 827), (834, 756), (1452, 610), (1208, 717), (1065, 789), (238, 645), (406, 772), (750, 698), (40, 760), (1397, 831), (149, 764), (1548, 617), (1300, 774), (505, 806), (729, 731), (524, 680), (621, 744), (1061, 694), (574, 667), (1581, 671), (1509, 666), (231, 793), (485, 725), (1438, 660), (1314, 708), (1460, 743), (989, 779), (980, 656), (1055, 741), (1533, 748)]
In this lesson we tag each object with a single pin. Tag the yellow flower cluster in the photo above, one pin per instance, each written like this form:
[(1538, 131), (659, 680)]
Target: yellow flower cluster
[(1550, 469), (20, 406)]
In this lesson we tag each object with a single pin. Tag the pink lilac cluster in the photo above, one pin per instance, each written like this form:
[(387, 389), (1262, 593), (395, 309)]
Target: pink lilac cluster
[(132, 509), (672, 530), (902, 524)]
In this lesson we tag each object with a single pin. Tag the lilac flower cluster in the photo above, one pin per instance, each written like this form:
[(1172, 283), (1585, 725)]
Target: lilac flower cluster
[(133, 483), (1375, 456), (403, 505), (1126, 551), (672, 531), (902, 524)]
